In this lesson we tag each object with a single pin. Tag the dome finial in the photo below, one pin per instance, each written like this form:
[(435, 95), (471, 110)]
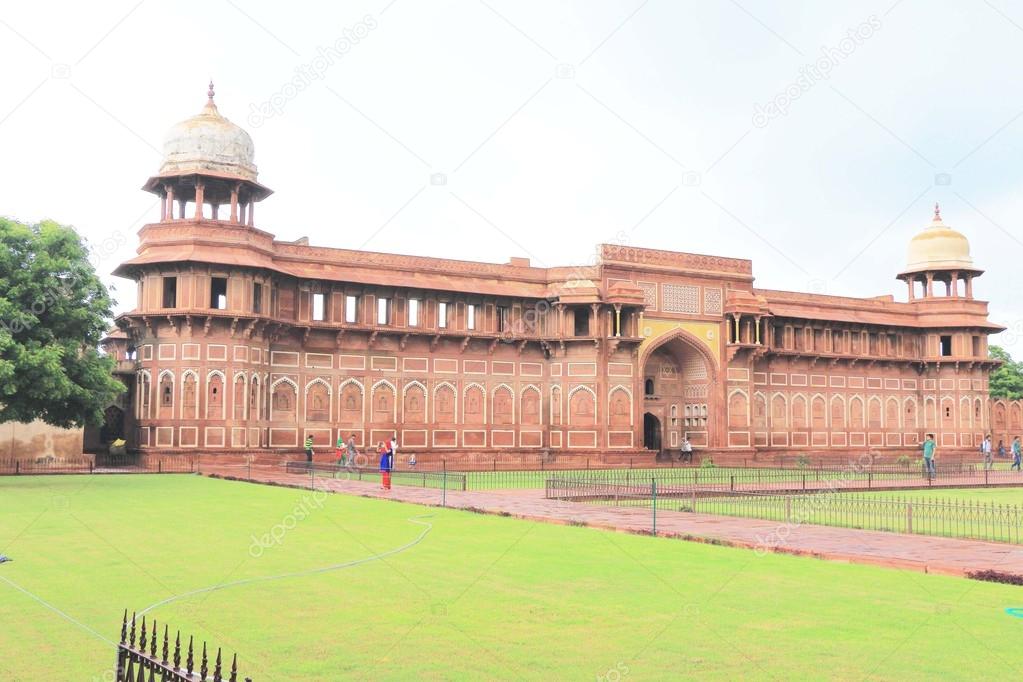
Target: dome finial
[(210, 92), (937, 210)]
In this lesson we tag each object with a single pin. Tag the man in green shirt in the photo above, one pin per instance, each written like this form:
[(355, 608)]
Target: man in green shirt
[(929, 448), (309, 449)]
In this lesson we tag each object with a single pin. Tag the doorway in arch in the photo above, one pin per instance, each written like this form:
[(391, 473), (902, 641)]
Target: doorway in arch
[(652, 432)]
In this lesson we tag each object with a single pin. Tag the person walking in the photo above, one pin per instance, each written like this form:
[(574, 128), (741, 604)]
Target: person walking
[(340, 451), (1017, 454), (687, 450), (929, 447), (309, 449), (1001, 449), (985, 447), (352, 451), (385, 465)]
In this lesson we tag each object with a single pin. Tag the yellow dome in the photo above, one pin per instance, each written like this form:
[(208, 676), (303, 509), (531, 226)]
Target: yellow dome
[(939, 247)]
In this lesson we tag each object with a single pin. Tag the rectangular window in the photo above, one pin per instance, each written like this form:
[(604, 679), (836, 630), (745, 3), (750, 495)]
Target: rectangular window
[(319, 307), (582, 322), (442, 315), (946, 346), (351, 309), (257, 297), (503, 318), (470, 317), (413, 312), (383, 311), (976, 346), (273, 300), (218, 293), (170, 292)]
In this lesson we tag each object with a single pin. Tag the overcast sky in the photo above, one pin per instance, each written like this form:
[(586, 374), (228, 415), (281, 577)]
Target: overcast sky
[(811, 138)]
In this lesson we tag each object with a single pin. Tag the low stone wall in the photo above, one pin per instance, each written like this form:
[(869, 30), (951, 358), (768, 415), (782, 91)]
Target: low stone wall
[(38, 440)]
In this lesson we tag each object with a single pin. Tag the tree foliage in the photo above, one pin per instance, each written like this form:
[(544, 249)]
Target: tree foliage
[(1007, 380), (53, 312)]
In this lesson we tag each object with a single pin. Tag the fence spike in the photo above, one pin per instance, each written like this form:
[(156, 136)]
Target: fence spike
[(177, 651), (124, 627), (234, 669), (131, 640), (204, 665), (165, 644), (142, 636), (152, 638), (217, 675), (190, 660)]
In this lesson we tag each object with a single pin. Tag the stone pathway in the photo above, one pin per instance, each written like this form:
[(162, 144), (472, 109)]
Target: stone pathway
[(917, 552)]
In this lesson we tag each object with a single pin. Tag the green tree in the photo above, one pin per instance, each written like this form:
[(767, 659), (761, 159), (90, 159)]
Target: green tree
[(1007, 380), (53, 313)]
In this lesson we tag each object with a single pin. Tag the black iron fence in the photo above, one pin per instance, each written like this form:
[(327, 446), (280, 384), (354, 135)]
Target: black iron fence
[(761, 478), (143, 464), (407, 477), (958, 518), (147, 658)]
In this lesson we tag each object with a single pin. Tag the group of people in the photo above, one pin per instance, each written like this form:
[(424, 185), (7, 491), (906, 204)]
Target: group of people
[(988, 452), (346, 453), (929, 446)]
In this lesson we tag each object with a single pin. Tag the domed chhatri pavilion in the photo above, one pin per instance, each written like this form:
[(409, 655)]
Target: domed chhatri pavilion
[(243, 343)]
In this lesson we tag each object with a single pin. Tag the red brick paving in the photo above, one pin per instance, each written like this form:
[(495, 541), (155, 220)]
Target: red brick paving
[(917, 552)]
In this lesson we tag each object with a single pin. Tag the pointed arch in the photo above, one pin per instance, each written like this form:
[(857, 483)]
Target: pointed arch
[(875, 413), (414, 403), (239, 399), (892, 413), (738, 409), (930, 413), (965, 413), (255, 397), (818, 412), (189, 395), (445, 403), (284, 400), (502, 405), (947, 417), (556, 406), (351, 402), (530, 405), (779, 411), (144, 394), (619, 406), (799, 410), (582, 406), (318, 400), (759, 411), (857, 413), (838, 412), (474, 404), (216, 404), (910, 412), (384, 402)]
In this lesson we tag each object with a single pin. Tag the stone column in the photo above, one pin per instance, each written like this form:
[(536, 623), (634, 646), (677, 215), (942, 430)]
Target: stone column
[(929, 291), (252, 211), (595, 319), (756, 339), (234, 203), (199, 199), (910, 281), (969, 286), (618, 319)]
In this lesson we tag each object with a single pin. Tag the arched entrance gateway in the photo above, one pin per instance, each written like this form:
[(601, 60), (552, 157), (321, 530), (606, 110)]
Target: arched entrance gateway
[(679, 398)]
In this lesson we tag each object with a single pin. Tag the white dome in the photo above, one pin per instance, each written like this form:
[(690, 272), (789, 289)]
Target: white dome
[(209, 143)]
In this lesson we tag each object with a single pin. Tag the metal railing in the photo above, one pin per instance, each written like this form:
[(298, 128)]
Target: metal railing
[(141, 464), (954, 518), (760, 478), (413, 478), (136, 658)]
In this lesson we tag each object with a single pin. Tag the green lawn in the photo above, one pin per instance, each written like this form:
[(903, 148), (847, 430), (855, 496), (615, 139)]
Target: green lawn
[(480, 597)]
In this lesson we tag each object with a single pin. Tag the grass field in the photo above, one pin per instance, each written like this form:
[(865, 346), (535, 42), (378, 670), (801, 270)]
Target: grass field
[(479, 597)]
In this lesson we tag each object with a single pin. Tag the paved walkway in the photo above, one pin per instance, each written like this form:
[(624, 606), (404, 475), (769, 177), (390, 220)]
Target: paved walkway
[(917, 552)]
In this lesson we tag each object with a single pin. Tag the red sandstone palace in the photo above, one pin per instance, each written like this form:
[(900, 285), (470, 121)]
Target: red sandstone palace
[(240, 342)]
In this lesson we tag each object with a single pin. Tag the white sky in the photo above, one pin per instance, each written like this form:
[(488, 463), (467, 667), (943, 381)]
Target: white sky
[(555, 126)]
